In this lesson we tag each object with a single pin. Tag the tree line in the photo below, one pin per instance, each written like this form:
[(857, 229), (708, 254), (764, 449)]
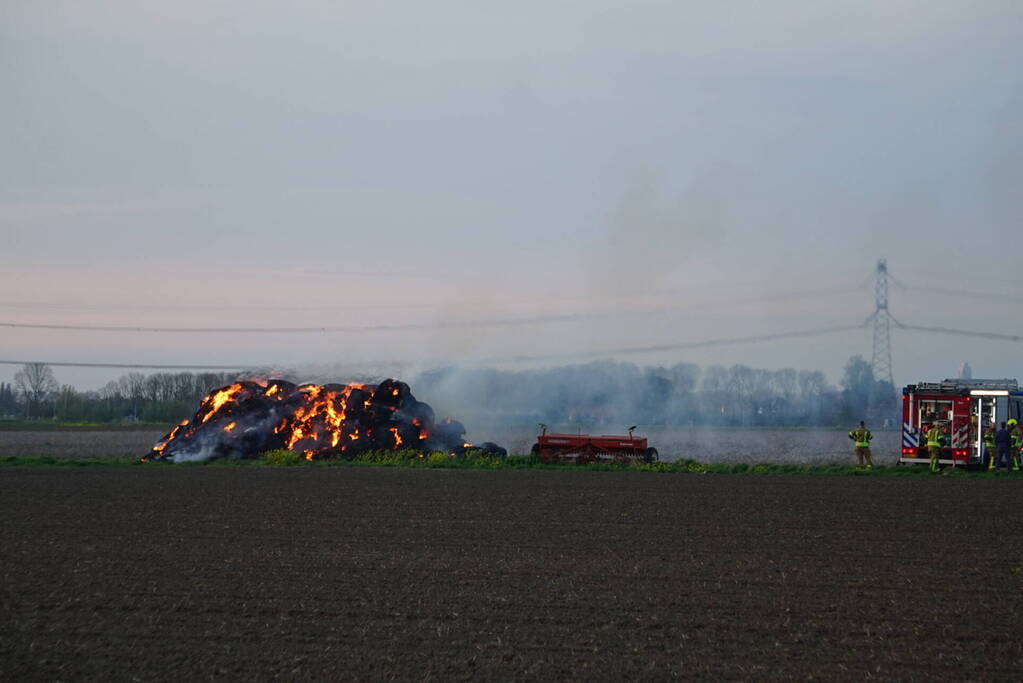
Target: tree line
[(598, 393), (615, 393), (156, 397)]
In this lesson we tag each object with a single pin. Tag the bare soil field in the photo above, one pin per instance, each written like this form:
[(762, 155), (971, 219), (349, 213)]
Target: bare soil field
[(189, 573), (804, 446), (78, 443)]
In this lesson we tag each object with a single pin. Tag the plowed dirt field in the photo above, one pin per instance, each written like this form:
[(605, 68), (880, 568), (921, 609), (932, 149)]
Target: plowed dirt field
[(804, 446), (375, 574)]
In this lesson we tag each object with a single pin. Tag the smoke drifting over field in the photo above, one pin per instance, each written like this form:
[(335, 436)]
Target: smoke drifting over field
[(613, 393)]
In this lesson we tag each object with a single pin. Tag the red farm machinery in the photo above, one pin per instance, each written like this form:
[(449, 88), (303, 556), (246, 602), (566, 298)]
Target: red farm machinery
[(584, 448), (963, 410)]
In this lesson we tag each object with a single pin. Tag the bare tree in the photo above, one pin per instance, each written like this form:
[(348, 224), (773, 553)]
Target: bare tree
[(714, 386), (741, 385), (133, 387), (110, 391), (64, 401), (184, 386), (35, 382)]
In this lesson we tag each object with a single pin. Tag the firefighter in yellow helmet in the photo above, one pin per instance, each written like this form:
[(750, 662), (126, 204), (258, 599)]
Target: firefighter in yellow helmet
[(861, 436), (934, 439), (990, 448), (1017, 442)]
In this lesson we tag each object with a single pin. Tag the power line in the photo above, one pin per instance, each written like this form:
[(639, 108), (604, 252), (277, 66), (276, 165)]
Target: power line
[(633, 350), (880, 318), (486, 322), (64, 305), (622, 351), (135, 366), (725, 341), (119, 307), (967, 333), (453, 324), (965, 293)]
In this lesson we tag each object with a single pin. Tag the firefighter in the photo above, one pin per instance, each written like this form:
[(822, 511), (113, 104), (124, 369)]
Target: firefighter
[(1016, 434), (934, 439), (989, 446), (1002, 441), (861, 436)]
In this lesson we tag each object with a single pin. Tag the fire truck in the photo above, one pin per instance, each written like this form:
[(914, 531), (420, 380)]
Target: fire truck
[(963, 409)]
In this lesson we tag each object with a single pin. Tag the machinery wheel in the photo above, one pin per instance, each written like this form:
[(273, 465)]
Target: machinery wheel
[(535, 450), (650, 455)]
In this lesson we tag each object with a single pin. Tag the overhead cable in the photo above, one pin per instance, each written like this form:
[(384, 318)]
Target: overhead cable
[(680, 346), (966, 333), (135, 366)]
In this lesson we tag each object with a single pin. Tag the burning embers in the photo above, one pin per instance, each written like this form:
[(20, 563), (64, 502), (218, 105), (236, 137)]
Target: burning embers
[(328, 421)]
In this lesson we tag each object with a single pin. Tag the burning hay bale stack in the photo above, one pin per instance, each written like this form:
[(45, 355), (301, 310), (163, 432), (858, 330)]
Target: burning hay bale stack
[(319, 421)]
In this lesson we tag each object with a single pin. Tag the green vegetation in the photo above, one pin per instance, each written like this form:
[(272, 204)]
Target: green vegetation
[(48, 461), (282, 456), (475, 460)]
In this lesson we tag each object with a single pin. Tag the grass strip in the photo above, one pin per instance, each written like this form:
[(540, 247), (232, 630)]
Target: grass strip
[(470, 461)]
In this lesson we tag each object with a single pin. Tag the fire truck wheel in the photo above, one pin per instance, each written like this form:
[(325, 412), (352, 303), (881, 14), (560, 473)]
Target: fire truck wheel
[(650, 455)]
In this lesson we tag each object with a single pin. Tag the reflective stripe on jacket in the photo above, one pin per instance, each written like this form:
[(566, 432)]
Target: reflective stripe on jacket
[(861, 436), (934, 437)]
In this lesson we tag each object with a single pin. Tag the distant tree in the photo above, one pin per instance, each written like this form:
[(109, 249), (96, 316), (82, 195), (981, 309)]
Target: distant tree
[(741, 391), (857, 386), (205, 382), (35, 383), (714, 386), (8, 399), (813, 389), (184, 386), (883, 402), (652, 403), (133, 387), (784, 394), (68, 404), (684, 378)]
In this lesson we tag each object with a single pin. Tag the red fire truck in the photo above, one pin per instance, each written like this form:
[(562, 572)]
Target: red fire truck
[(963, 409)]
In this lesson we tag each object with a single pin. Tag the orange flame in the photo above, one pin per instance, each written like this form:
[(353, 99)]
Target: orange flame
[(312, 420), (217, 401)]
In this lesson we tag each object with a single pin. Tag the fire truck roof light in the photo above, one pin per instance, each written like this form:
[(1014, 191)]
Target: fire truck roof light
[(988, 392)]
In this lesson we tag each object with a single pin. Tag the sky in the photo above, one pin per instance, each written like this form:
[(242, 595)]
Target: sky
[(508, 184)]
